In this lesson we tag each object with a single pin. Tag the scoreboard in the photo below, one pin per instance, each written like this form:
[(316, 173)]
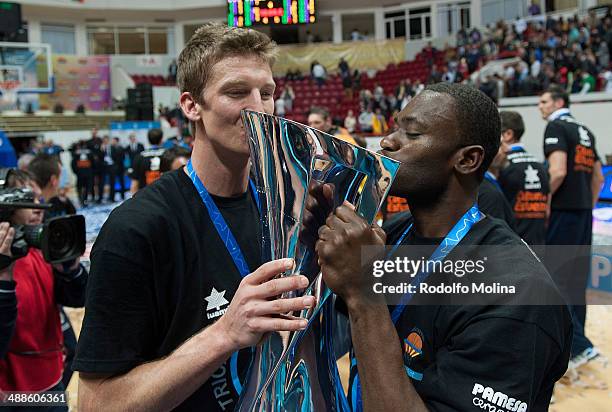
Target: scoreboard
[(245, 13)]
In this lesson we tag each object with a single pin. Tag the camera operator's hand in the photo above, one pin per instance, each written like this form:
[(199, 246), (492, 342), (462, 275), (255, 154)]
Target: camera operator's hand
[(69, 269), (7, 233), (256, 306)]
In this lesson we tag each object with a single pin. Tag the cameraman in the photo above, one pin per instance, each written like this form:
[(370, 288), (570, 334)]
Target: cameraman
[(34, 360)]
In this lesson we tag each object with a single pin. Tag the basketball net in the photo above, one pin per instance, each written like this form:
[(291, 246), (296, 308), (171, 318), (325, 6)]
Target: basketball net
[(9, 92)]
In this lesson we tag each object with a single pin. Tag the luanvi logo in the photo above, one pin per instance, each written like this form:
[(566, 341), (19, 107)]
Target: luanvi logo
[(215, 301), (489, 400)]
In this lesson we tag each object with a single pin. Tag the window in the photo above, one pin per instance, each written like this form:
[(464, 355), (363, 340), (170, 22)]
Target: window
[(60, 37), (101, 40), (452, 17), (395, 24), (129, 40), (420, 23)]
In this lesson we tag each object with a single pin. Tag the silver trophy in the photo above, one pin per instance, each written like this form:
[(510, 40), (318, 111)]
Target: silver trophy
[(296, 371)]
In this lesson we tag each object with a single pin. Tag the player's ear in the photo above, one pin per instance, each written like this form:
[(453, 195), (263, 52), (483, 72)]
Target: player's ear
[(190, 107), (468, 159)]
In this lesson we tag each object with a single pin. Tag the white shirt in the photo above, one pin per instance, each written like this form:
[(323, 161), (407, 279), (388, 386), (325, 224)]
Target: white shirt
[(318, 71)]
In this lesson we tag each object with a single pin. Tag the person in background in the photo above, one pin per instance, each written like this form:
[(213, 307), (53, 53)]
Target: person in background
[(320, 119), (350, 122), (35, 357), (524, 181), (118, 156), (82, 166), (366, 120), (174, 158), (133, 148), (575, 182), (146, 164)]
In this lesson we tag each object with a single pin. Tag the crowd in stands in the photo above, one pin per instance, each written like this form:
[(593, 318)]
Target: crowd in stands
[(526, 56)]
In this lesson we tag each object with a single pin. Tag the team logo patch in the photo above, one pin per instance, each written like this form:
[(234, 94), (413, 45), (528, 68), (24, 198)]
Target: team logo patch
[(413, 348), (585, 140), (532, 180), (214, 303)]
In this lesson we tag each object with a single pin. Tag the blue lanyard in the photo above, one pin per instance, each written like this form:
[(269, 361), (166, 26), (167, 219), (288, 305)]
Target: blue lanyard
[(220, 224), (452, 239), (230, 243), (491, 178)]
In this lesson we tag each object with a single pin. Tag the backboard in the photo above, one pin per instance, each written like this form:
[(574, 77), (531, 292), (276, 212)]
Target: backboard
[(25, 68)]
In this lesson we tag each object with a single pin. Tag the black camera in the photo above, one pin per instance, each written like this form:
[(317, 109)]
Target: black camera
[(60, 239)]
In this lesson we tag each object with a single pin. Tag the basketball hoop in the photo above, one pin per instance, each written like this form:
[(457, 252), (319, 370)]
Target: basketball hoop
[(9, 90)]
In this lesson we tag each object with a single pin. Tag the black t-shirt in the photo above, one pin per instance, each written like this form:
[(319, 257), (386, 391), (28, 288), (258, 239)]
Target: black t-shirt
[(146, 167), (83, 160), (526, 186), (155, 266), (464, 358), (575, 139), (492, 202)]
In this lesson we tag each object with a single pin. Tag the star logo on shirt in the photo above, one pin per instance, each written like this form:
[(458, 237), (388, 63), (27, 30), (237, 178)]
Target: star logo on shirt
[(532, 180), (216, 300), (584, 137)]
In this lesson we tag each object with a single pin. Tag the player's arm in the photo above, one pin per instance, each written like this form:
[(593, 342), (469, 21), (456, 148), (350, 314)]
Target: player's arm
[(597, 180), (165, 383), (557, 169), (385, 386)]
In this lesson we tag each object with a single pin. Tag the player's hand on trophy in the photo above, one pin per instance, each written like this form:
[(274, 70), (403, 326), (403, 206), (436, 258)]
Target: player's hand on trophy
[(318, 206), (256, 308), (339, 250)]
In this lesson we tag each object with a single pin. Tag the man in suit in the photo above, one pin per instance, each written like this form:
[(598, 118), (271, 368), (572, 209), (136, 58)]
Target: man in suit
[(132, 149)]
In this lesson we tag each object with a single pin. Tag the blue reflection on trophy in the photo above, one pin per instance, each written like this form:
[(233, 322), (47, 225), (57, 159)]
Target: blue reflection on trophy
[(296, 371)]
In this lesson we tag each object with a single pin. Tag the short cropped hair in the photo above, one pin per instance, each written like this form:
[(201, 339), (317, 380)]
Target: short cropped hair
[(42, 167), (155, 136), (170, 154), (478, 121), (212, 43), (558, 93), (322, 111), (512, 121)]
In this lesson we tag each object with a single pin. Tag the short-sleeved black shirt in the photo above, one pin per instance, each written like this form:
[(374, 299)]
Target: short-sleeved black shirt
[(160, 273), (146, 167), (575, 139), (464, 358), (526, 185)]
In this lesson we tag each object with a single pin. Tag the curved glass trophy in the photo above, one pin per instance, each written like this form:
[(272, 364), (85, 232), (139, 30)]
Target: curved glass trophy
[(296, 371)]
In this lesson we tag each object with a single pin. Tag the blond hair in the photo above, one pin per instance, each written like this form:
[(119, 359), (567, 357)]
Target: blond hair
[(212, 43)]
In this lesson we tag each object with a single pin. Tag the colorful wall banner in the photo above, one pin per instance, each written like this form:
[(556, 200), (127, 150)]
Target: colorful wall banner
[(80, 79)]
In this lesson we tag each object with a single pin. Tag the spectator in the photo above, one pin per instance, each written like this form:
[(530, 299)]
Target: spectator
[(288, 95), (318, 72), (279, 107), (172, 69), (607, 77), (366, 120), (379, 123), (356, 35), (534, 8), (344, 68), (319, 118), (350, 122), (379, 92), (588, 83)]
